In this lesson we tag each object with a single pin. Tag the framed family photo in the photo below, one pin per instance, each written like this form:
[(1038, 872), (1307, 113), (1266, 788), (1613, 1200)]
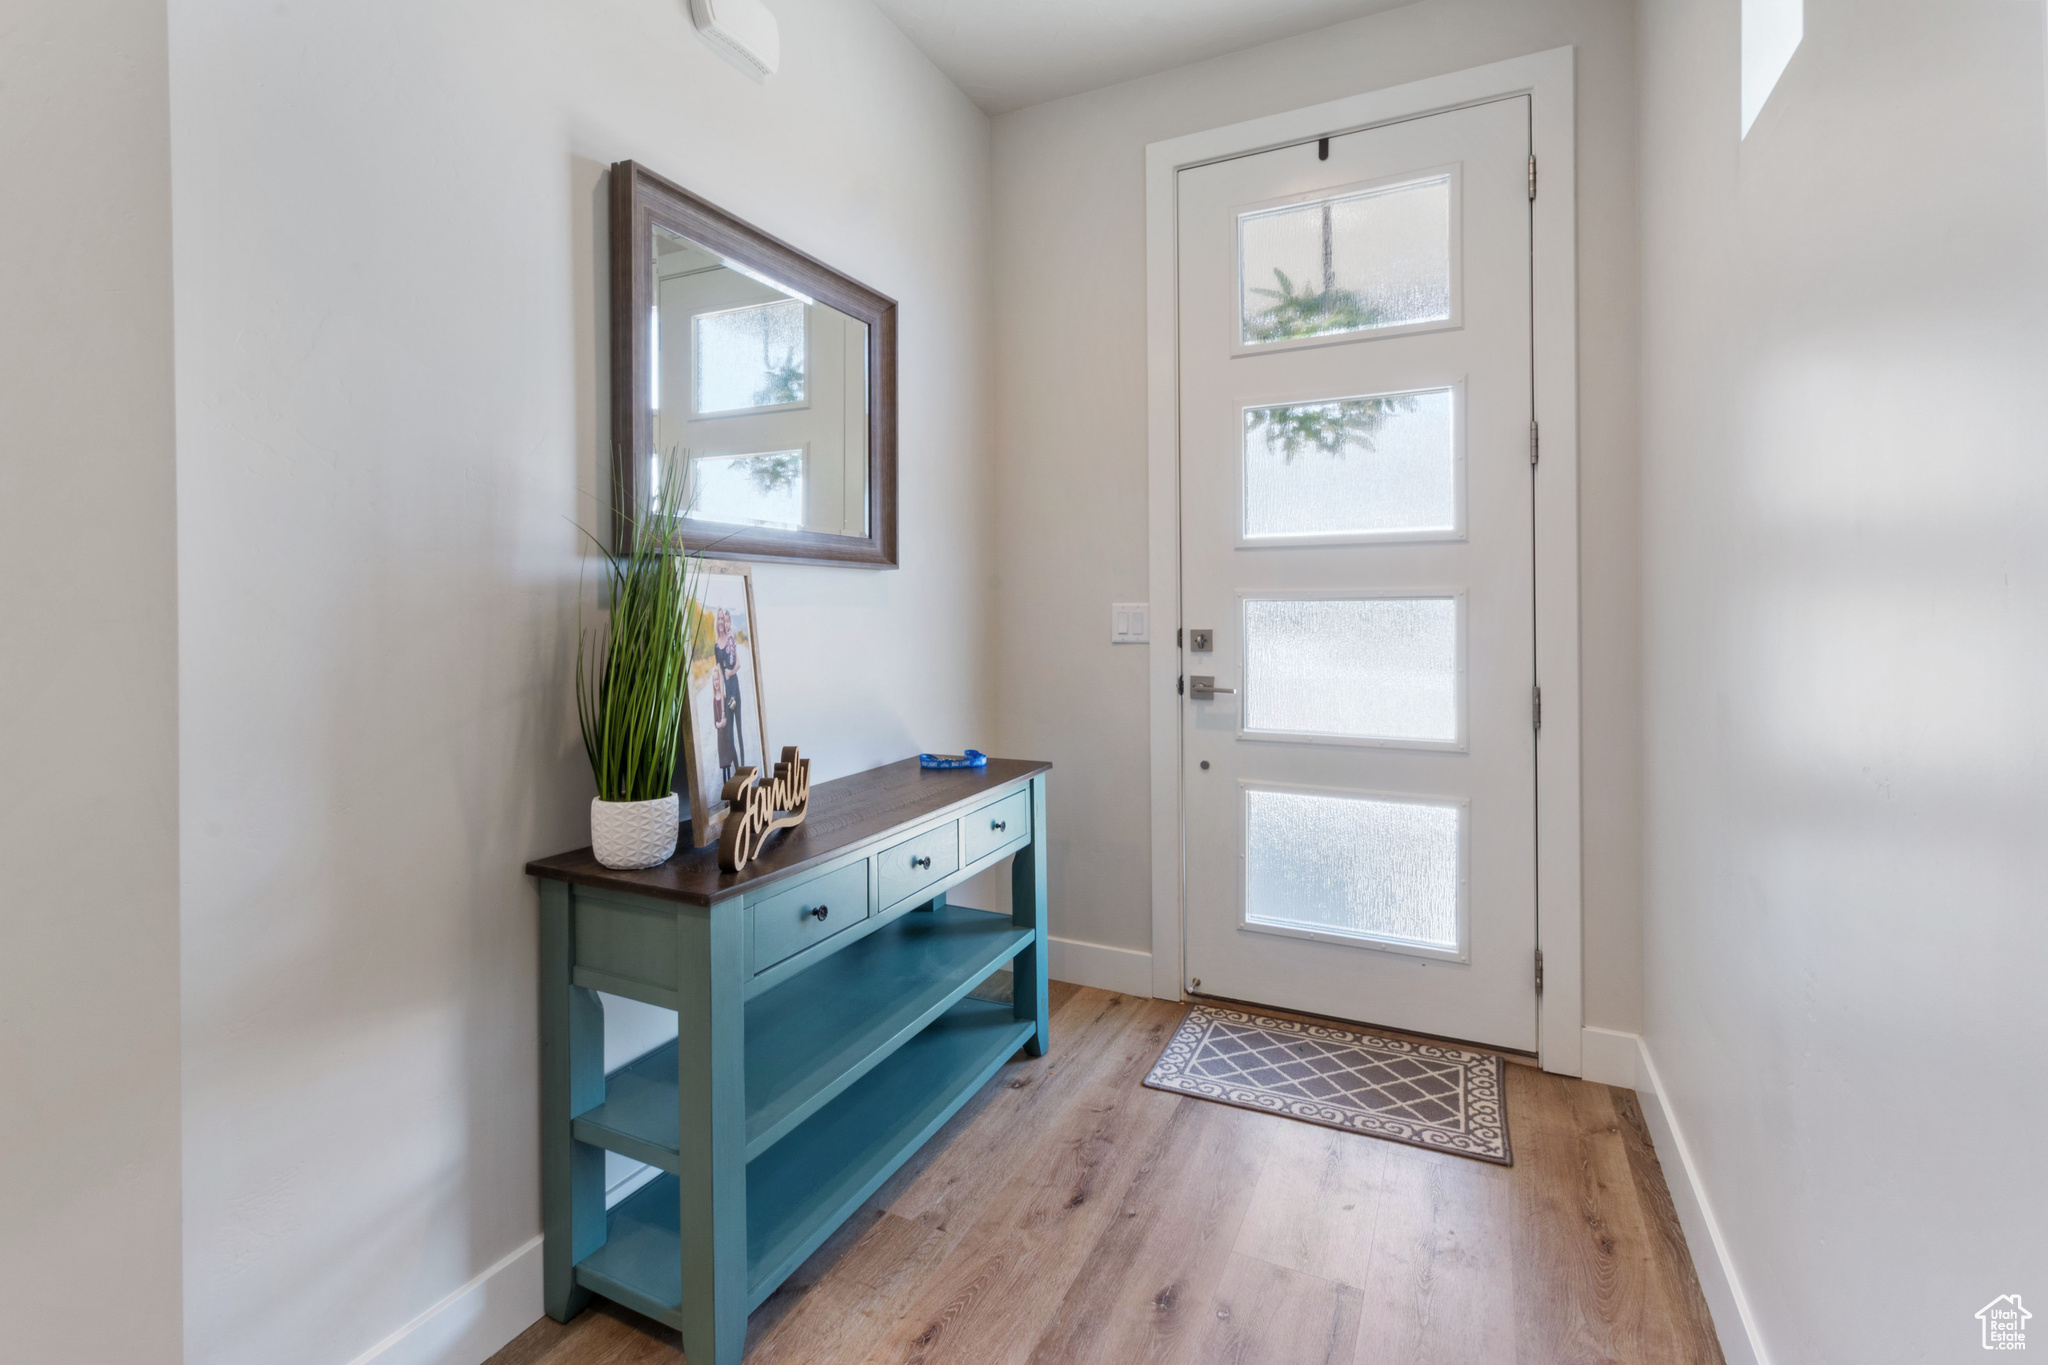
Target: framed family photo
[(722, 726)]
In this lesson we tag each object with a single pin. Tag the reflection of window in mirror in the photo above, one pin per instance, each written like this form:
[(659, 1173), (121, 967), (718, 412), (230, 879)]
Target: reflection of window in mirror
[(750, 358), (766, 391)]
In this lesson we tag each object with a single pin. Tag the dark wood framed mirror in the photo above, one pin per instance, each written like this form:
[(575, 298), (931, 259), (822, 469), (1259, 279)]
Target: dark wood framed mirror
[(769, 374)]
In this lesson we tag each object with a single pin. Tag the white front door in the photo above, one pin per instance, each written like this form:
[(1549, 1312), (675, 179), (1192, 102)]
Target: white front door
[(1356, 533)]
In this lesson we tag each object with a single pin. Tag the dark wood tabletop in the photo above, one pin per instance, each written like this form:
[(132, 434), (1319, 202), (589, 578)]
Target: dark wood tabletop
[(844, 812)]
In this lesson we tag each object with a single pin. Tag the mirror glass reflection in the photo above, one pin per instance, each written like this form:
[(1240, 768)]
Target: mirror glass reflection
[(763, 391)]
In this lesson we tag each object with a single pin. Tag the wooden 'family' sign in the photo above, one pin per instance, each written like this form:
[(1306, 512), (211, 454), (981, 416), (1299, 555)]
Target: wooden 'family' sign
[(753, 809)]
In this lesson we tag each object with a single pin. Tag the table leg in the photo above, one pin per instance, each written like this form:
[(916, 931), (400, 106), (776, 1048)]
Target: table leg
[(711, 1092), (1027, 910), (571, 1081)]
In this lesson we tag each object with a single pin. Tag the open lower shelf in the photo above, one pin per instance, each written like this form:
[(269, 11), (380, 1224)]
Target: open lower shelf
[(640, 1117), (817, 1033), (804, 1186), (641, 1261)]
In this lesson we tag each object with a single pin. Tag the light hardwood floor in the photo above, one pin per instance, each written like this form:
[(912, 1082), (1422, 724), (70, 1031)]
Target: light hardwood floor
[(1070, 1215)]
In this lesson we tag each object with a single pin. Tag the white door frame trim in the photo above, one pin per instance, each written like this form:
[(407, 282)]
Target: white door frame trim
[(1547, 78)]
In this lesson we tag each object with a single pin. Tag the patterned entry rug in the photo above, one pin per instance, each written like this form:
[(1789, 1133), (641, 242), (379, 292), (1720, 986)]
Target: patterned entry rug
[(1421, 1093)]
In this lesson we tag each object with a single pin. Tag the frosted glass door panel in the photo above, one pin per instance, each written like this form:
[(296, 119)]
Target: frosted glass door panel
[(749, 490), (1386, 463), (1384, 870), (1383, 668), (751, 357), (1349, 263)]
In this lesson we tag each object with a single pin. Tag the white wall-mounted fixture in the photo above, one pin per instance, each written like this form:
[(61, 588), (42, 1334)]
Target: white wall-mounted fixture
[(743, 30), (1129, 623)]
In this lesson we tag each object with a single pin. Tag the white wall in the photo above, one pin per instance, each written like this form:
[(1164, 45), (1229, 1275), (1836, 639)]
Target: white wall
[(391, 282), (1070, 434), (88, 690), (1846, 654)]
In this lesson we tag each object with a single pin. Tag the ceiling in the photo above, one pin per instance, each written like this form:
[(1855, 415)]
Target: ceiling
[(1007, 54)]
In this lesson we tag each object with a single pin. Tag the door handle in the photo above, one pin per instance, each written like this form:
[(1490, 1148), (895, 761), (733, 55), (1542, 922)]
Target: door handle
[(1202, 687)]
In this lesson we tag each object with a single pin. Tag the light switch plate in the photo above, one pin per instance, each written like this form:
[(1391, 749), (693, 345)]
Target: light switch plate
[(1130, 623)]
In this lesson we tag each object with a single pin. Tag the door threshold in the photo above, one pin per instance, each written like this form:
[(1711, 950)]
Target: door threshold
[(1405, 1035)]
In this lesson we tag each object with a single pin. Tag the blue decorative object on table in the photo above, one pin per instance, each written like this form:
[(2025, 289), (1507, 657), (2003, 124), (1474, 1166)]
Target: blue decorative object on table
[(973, 758)]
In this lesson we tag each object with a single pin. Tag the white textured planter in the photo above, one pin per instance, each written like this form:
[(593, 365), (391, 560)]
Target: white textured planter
[(628, 834)]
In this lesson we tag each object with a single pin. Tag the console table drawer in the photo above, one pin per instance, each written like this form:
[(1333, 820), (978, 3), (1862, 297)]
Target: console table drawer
[(793, 920), (914, 864), (991, 827)]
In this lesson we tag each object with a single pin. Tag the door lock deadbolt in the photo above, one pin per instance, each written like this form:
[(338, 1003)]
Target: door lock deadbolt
[(1201, 641)]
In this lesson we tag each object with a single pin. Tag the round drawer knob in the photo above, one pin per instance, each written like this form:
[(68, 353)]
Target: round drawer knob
[(920, 862), (999, 824), (819, 913)]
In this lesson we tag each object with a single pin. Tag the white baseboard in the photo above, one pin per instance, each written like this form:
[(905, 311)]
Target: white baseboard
[(1124, 970), (1623, 1059), (472, 1324), (1609, 1057)]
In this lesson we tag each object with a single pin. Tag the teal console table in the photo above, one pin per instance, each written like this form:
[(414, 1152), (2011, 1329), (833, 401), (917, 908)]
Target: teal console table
[(824, 1031)]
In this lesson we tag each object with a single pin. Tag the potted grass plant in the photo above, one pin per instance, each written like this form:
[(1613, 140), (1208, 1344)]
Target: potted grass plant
[(632, 681)]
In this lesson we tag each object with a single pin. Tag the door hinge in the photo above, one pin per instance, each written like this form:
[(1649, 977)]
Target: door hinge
[(1532, 175), (1180, 686), (1539, 971), (1536, 708), (1535, 442), (1176, 637)]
